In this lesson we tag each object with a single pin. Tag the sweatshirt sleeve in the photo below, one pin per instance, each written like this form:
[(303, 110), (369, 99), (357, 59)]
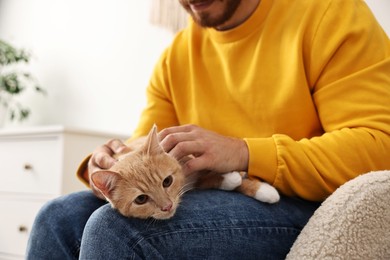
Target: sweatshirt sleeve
[(349, 69), (159, 109)]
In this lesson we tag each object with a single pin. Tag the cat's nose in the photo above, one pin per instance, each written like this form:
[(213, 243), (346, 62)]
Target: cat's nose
[(167, 207)]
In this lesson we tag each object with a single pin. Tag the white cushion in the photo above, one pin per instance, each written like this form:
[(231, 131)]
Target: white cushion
[(352, 223)]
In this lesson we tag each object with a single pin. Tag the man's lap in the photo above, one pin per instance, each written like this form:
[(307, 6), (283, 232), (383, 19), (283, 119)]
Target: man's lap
[(208, 224)]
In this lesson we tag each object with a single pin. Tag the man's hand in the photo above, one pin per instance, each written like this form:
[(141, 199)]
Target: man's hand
[(209, 150), (103, 158)]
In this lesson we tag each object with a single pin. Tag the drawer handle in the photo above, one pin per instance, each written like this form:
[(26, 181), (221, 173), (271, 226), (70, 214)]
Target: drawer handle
[(28, 167), (23, 229)]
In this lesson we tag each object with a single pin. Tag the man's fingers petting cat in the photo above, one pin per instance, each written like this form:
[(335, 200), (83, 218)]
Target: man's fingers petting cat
[(185, 149), (116, 146), (102, 157), (100, 160), (194, 165), (171, 136), (175, 129)]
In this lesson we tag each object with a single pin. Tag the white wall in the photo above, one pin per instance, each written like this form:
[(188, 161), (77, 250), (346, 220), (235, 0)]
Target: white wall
[(94, 57), (381, 9)]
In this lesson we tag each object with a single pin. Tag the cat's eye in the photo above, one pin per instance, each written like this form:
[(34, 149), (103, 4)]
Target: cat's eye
[(167, 181), (141, 199)]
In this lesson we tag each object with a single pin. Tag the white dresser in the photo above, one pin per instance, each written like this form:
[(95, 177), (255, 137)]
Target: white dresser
[(36, 165)]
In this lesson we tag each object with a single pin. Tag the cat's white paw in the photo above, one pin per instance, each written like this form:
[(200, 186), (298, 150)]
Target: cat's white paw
[(267, 193), (231, 181)]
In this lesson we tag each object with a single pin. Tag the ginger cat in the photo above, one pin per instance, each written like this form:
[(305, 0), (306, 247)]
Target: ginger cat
[(147, 182)]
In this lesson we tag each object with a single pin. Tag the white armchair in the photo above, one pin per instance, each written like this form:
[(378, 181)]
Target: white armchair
[(352, 223)]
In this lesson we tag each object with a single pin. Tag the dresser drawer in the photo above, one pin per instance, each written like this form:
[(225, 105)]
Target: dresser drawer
[(17, 218), (31, 165)]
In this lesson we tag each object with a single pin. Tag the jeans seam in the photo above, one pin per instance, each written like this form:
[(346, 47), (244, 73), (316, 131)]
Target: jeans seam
[(75, 249), (136, 246), (269, 230), (276, 230)]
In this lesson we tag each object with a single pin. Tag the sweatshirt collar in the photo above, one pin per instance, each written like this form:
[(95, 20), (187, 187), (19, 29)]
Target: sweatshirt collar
[(252, 24)]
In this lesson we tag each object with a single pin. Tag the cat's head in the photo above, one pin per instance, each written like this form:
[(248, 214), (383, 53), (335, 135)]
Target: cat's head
[(146, 182)]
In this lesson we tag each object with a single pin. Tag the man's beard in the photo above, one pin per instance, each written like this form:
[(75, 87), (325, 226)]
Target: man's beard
[(206, 19)]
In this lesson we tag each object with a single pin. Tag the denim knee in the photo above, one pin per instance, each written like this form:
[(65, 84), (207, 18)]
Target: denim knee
[(105, 235), (50, 227), (208, 225), (59, 225)]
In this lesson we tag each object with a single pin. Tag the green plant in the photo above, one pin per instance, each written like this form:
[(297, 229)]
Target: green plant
[(13, 81)]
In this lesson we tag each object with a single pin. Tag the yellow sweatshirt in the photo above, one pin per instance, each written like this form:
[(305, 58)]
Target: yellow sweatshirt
[(305, 83)]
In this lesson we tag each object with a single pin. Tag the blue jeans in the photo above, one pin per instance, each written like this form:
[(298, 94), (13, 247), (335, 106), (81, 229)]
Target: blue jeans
[(209, 224)]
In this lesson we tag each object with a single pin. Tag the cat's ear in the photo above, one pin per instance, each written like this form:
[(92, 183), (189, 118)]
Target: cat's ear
[(105, 181), (152, 146)]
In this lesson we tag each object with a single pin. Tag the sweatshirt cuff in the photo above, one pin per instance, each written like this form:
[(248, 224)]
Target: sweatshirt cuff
[(262, 158), (82, 171)]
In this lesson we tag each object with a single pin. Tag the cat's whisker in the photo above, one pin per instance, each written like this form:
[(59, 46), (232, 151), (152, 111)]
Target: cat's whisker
[(151, 221), (181, 192), (187, 187), (156, 216)]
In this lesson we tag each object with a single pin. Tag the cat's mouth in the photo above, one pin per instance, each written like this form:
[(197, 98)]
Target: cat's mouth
[(165, 214)]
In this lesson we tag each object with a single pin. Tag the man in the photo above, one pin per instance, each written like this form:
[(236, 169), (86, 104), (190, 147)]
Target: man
[(296, 93)]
